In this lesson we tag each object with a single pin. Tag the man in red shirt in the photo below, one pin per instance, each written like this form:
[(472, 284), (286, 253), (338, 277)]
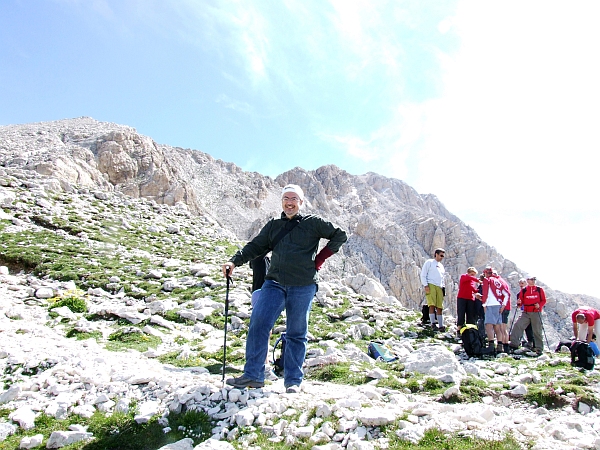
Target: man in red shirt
[(533, 299), (586, 323), (465, 300)]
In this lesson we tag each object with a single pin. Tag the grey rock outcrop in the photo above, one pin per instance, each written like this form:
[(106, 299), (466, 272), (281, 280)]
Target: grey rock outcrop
[(393, 229)]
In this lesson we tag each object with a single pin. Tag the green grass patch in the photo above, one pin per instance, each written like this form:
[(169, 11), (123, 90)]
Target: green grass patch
[(337, 373), (131, 338), (216, 320), (435, 439), (83, 335), (119, 431), (172, 316), (171, 358)]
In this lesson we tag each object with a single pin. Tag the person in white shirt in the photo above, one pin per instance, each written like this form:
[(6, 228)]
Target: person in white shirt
[(496, 296), (432, 279)]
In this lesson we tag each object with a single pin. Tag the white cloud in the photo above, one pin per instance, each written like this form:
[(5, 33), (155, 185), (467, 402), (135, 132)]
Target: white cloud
[(517, 123), (511, 104), (235, 105)]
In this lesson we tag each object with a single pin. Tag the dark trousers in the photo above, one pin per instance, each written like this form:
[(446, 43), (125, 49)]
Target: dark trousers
[(425, 312), (529, 334), (465, 308)]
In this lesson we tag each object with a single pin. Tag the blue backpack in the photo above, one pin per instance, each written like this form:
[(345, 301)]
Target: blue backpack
[(381, 351)]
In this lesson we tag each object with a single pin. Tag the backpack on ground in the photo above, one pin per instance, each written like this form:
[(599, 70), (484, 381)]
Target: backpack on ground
[(278, 363), (563, 343), (481, 329), (582, 355), (381, 351), (472, 341)]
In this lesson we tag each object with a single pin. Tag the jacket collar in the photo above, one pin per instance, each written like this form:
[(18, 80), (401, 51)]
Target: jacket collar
[(296, 217)]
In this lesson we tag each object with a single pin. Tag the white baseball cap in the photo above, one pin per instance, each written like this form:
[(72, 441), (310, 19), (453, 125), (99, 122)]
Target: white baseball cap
[(293, 188)]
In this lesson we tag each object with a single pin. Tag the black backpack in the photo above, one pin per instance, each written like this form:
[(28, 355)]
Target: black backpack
[(278, 363), (582, 355), (472, 341), (260, 265)]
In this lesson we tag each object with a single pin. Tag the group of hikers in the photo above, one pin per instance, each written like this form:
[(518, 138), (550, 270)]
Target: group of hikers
[(487, 300), (290, 284)]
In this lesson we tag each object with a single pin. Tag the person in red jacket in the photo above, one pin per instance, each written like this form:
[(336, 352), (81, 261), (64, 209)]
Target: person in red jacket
[(586, 323), (465, 301), (496, 295), (528, 331), (533, 299)]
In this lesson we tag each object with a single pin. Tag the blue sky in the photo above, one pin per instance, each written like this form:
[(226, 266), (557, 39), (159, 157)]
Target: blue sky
[(491, 106)]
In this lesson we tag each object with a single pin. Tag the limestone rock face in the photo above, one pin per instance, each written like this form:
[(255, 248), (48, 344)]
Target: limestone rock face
[(392, 228)]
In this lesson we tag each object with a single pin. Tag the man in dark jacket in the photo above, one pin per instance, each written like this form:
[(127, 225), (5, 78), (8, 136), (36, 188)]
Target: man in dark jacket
[(290, 284)]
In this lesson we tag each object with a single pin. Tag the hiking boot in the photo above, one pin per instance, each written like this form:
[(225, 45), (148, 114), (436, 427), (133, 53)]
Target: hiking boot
[(442, 329), (243, 382), (293, 389), (520, 351), (434, 327), (538, 351), (270, 375)]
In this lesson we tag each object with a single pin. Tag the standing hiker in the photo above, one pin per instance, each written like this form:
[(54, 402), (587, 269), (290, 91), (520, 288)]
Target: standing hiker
[(432, 279), (586, 322), (496, 295), (533, 301), (465, 300), (290, 284), (529, 330)]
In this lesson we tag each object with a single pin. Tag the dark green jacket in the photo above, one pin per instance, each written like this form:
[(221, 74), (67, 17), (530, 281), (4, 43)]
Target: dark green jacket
[(293, 259)]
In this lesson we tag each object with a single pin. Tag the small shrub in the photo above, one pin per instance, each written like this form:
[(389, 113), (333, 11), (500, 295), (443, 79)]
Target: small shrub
[(413, 385), (432, 384), (73, 302)]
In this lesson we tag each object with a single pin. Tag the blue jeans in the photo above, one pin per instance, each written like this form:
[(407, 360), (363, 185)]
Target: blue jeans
[(274, 297)]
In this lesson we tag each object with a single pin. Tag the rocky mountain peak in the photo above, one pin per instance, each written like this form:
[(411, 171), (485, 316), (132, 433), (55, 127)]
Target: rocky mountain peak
[(393, 229), (112, 301)]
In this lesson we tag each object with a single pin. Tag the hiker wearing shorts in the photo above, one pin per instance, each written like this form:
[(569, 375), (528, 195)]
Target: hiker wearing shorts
[(496, 295), (586, 323), (432, 279)]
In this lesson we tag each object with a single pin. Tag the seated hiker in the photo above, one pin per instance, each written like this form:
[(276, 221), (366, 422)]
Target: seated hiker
[(586, 322)]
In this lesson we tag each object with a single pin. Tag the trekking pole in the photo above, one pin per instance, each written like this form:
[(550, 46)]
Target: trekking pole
[(512, 323), (228, 278), (544, 331)]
